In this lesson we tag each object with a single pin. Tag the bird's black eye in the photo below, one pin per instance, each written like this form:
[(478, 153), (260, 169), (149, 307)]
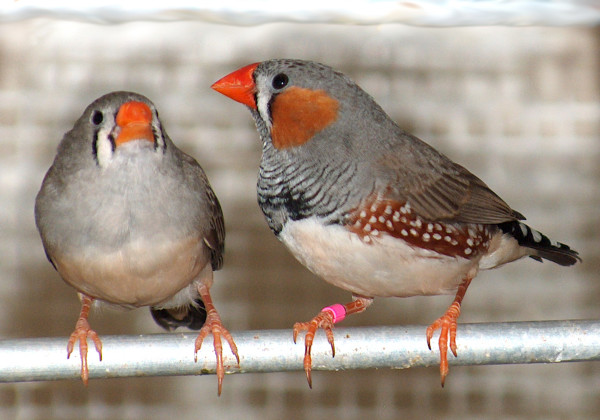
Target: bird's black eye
[(280, 81), (97, 118)]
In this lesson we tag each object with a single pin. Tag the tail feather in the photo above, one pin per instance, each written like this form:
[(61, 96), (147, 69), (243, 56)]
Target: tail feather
[(192, 317), (544, 247)]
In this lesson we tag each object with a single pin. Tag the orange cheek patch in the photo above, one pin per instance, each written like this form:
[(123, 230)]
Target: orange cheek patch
[(298, 114)]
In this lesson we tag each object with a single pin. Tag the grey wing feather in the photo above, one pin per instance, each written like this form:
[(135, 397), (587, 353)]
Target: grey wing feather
[(459, 197), (440, 190), (214, 237), (215, 240)]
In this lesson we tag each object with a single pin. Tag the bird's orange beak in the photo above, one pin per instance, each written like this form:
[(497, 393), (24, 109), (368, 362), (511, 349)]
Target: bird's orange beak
[(239, 85), (135, 121)]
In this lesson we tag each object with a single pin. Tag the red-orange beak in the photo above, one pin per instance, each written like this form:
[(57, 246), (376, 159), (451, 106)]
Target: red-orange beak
[(135, 120), (239, 85)]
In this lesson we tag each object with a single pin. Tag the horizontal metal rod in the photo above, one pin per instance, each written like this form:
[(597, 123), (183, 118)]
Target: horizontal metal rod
[(40, 359)]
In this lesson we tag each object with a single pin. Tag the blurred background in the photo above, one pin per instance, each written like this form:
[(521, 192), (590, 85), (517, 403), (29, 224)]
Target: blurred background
[(517, 106)]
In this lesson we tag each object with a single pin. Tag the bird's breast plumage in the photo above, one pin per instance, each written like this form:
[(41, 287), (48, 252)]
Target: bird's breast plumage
[(140, 273), (138, 194), (294, 189), (131, 232)]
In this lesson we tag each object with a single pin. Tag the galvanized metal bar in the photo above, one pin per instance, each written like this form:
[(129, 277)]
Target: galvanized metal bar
[(40, 359)]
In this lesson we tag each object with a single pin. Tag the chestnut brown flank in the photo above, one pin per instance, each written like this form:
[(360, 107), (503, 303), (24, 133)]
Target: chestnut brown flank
[(379, 216)]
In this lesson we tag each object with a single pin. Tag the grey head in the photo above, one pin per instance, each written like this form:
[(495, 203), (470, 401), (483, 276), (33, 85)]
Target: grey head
[(92, 138)]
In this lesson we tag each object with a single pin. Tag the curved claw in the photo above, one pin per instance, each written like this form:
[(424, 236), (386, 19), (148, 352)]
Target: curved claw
[(81, 333), (447, 325), (323, 320), (214, 326)]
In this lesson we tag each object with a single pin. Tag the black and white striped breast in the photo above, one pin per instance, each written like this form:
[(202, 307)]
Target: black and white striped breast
[(290, 188)]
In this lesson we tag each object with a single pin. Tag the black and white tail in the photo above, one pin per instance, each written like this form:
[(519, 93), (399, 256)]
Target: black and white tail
[(545, 248)]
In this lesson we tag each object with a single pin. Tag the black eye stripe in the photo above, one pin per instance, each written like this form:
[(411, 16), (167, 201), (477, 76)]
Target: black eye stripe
[(111, 139), (159, 134), (269, 104), (95, 146)]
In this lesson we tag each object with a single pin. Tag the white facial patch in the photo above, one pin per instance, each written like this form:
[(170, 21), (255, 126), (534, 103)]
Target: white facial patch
[(262, 104), (104, 147)]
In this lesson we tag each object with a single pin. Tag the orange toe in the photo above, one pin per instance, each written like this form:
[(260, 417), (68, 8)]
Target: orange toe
[(447, 324), (214, 326), (323, 320), (80, 334)]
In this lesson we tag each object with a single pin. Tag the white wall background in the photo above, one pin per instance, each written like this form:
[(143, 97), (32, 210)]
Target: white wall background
[(517, 106)]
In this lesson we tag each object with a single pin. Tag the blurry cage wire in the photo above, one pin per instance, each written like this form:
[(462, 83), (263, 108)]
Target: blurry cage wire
[(356, 348), (361, 12), (39, 359)]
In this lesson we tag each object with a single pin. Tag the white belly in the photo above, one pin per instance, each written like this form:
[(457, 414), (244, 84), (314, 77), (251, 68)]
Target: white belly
[(138, 274), (384, 267)]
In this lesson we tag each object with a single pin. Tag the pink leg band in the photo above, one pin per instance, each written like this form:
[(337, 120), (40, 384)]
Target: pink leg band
[(337, 311)]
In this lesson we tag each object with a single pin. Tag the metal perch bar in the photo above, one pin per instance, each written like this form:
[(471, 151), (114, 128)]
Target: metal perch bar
[(40, 359)]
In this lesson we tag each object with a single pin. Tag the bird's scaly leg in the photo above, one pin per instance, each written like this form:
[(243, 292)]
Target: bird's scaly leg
[(447, 324), (81, 334), (214, 326), (325, 320)]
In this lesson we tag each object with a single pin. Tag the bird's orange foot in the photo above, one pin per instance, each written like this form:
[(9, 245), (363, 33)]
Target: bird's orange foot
[(214, 326), (325, 321), (447, 324), (81, 334)]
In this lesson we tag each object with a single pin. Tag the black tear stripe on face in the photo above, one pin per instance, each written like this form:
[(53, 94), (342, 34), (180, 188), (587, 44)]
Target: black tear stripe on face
[(113, 145), (255, 90), (95, 146), (269, 104), (158, 132)]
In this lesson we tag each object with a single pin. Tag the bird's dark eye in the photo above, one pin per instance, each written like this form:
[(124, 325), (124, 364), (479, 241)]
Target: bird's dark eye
[(280, 81), (97, 118)]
